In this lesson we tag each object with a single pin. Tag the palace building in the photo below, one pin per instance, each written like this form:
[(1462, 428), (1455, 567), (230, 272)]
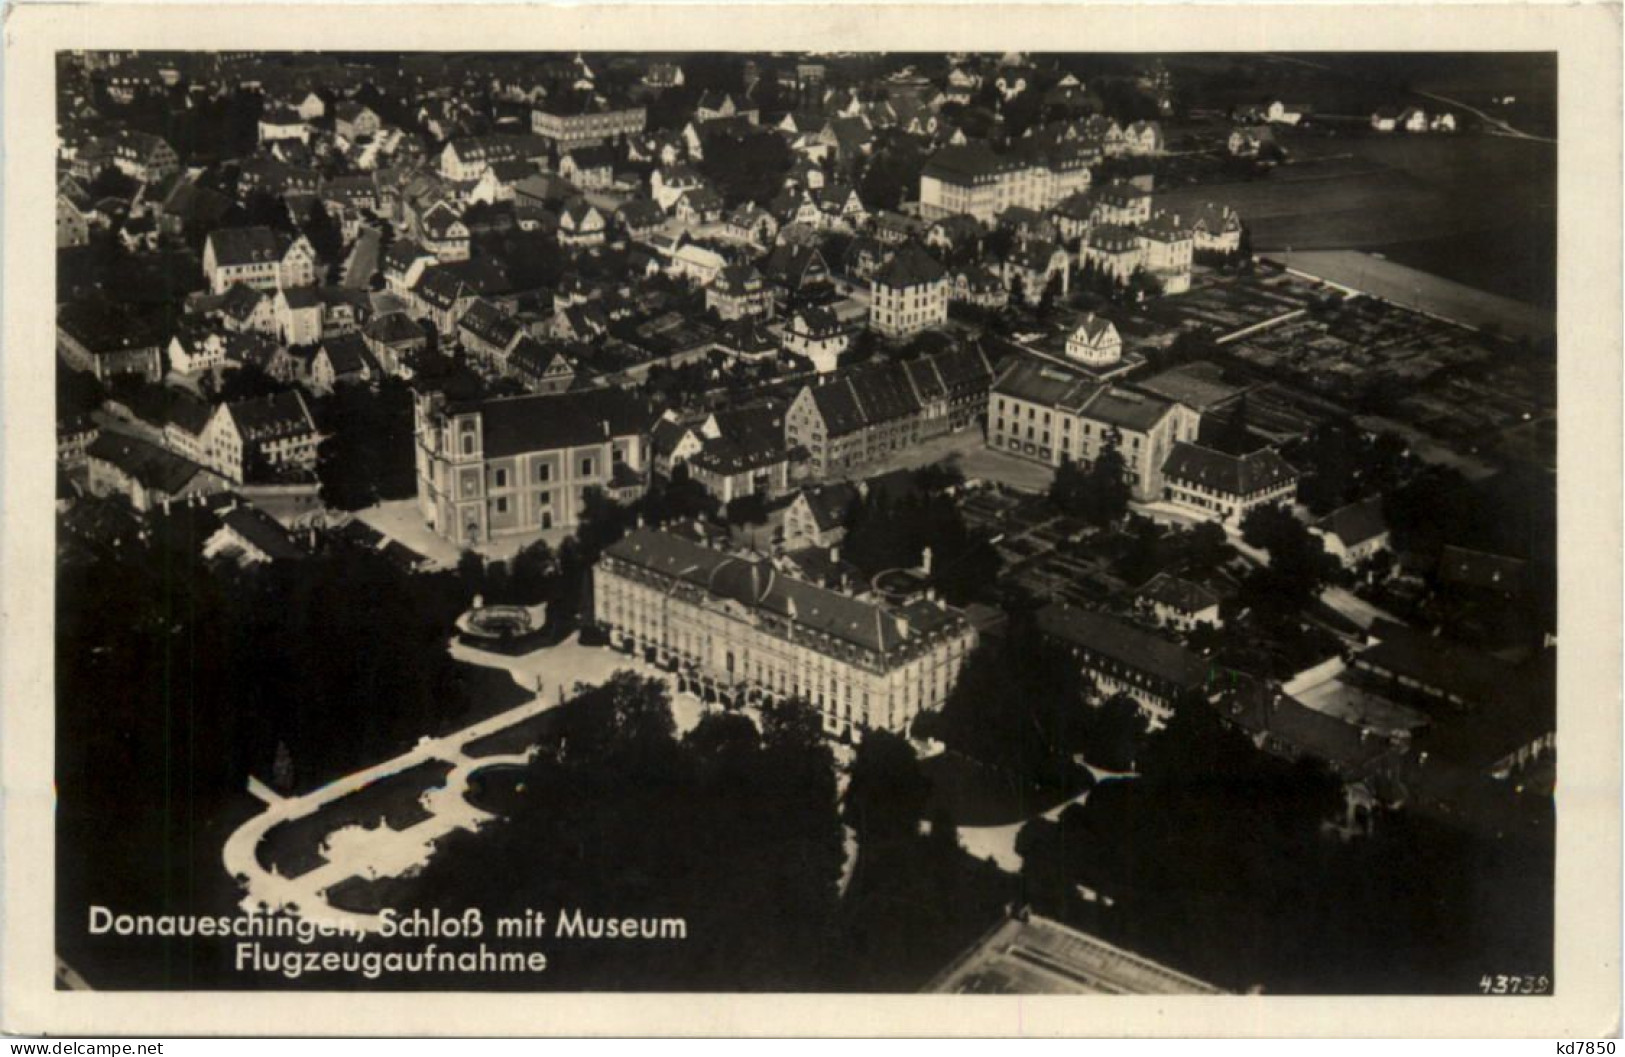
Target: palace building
[(737, 629)]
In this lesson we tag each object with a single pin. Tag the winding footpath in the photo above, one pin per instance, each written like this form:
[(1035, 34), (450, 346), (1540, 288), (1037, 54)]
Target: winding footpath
[(380, 851)]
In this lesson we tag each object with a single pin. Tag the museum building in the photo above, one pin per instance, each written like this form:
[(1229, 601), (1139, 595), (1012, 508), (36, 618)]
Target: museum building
[(736, 629)]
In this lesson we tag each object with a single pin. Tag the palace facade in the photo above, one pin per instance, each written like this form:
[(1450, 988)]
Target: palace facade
[(738, 629)]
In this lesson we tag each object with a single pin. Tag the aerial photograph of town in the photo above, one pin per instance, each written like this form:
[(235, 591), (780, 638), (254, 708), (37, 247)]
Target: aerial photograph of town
[(838, 522)]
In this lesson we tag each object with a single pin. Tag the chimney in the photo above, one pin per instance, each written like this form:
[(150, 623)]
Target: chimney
[(925, 561)]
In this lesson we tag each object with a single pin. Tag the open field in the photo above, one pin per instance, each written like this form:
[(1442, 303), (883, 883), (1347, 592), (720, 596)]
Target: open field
[(1410, 288), (1479, 209)]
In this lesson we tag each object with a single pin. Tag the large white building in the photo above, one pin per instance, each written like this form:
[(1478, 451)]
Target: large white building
[(517, 465), (972, 179), (1044, 412), (739, 629)]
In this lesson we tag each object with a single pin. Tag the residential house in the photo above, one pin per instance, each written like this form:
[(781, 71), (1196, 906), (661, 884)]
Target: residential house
[(444, 234), (1122, 203), (979, 287), (951, 387), (798, 270), (751, 223), (695, 263), (1385, 119), (542, 367), (581, 224), (354, 121), (1095, 342), (1355, 532), (280, 122), (701, 205), (670, 182), (1143, 138), (257, 257), (742, 453), (299, 315), (640, 218), (245, 310), (1115, 251), (908, 295), (343, 360), (441, 297), (1169, 249), (747, 339), (817, 516), (951, 234), (248, 536), (141, 155), (714, 105), (1215, 229), (854, 420), (396, 341), (818, 334), (1032, 266), (738, 291), (571, 121), (589, 168), (147, 475), (487, 332), (73, 212), (276, 432), (108, 341), (195, 349), (1179, 604), (404, 263)]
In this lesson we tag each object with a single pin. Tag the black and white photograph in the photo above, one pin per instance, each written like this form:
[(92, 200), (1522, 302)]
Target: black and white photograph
[(829, 522)]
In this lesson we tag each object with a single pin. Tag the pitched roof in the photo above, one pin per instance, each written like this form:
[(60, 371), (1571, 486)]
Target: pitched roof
[(272, 417), (262, 532), (348, 354), (1178, 593), (489, 323), (513, 425), (253, 245), (1129, 646), (1355, 523), (757, 585), (911, 267), (865, 397), (829, 504), (396, 328), (148, 464), (599, 157), (441, 288), (1237, 475), (1460, 565)]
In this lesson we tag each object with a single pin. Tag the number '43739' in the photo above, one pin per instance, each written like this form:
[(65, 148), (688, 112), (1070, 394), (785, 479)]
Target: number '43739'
[(1515, 985)]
